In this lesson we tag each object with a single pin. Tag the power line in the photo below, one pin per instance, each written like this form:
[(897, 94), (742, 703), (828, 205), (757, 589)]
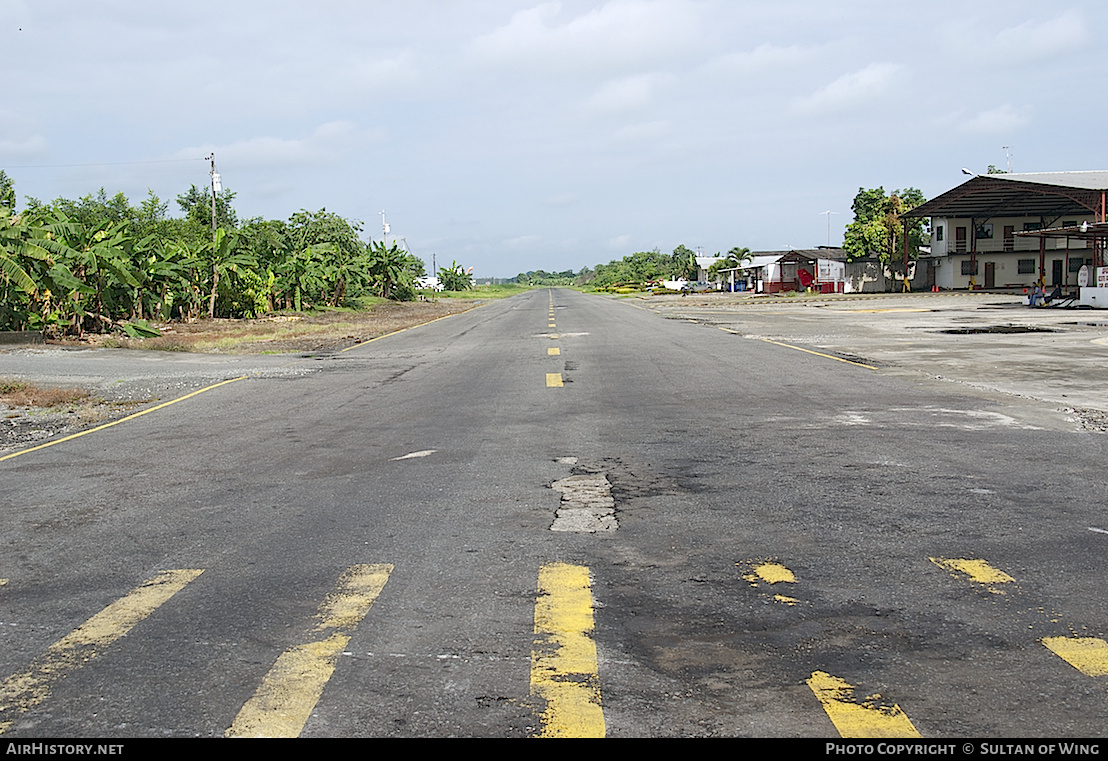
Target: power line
[(112, 163)]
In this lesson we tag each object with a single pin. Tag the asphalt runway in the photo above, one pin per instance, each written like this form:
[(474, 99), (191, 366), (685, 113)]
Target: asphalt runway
[(563, 514)]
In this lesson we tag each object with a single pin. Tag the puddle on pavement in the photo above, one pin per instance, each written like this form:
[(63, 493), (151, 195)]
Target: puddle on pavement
[(998, 329)]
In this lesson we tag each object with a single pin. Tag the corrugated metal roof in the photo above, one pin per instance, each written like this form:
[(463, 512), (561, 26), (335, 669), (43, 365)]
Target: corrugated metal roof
[(1049, 195), (1089, 180)]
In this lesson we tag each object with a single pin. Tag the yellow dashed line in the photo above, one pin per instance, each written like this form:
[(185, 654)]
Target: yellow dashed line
[(774, 573), (553, 351), (25, 690), (977, 570), (1089, 655), (867, 718), (289, 692), (564, 670), (553, 380), (771, 573)]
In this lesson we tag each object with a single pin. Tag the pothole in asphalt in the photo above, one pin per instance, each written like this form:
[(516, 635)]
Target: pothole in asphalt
[(587, 506), (998, 329)]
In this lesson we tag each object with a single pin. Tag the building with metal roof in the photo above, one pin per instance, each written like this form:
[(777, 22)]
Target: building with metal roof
[(985, 233)]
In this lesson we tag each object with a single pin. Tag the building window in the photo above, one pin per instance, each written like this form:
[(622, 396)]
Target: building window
[(969, 267), (985, 231), (938, 232), (1028, 226), (1026, 266), (1077, 263)]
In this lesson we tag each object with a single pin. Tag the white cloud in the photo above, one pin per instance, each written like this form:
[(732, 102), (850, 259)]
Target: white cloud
[(850, 90), (1000, 120), (35, 145), (327, 144), (617, 33), (644, 131), (761, 58), (1031, 40), (627, 93), (562, 199), (17, 137), (375, 74)]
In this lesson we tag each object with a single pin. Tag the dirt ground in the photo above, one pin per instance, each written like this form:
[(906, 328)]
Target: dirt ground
[(283, 333)]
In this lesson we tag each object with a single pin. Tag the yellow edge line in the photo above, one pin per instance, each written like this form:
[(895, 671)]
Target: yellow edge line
[(122, 420), (26, 689), (290, 690), (411, 327), (207, 388), (818, 354), (564, 669)]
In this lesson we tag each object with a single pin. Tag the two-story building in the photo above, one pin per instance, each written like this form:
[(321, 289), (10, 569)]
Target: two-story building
[(976, 239)]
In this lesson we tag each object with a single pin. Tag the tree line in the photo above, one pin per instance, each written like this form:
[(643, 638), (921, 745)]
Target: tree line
[(99, 262)]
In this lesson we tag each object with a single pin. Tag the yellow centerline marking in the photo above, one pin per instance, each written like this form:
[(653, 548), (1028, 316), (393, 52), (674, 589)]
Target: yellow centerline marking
[(289, 692), (851, 718), (554, 380), (26, 689), (564, 670), (1089, 655), (553, 351), (977, 570), (163, 405), (774, 573)]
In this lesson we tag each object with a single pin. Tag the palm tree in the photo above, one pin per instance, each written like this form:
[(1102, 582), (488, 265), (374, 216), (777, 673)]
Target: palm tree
[(733, 260)]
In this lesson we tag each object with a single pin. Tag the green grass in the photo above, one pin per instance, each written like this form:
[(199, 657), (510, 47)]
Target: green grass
[(499, 291)]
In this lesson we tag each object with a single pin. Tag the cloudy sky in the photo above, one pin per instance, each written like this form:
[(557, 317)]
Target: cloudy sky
[(512, 135)]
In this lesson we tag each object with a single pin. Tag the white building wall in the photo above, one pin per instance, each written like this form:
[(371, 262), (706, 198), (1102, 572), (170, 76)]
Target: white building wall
[(990, 246)]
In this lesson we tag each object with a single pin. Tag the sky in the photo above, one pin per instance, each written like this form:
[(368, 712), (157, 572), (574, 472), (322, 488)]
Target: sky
[(519, 135)]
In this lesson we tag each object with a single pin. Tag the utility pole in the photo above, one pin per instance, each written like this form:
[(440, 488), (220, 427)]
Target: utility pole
[(384, 232), (828, 213), (216, 187)]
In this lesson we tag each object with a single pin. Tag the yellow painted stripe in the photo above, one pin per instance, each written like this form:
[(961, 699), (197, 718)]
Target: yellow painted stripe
[(398, 332), (25, 690), (553, 351), (289, 692), (820, 354), (851, 718), (774, 573), (553, 380), (564, 670), (1089, 655), (123, 420), (977, 570)]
